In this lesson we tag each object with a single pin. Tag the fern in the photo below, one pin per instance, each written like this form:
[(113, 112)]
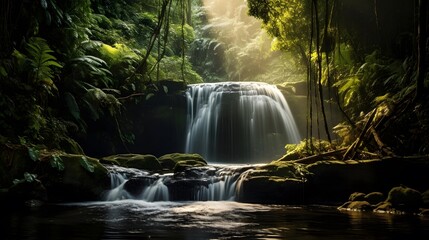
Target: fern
[(42, 63), (91, 67)]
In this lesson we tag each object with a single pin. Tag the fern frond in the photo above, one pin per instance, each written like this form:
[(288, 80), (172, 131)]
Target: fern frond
[(42, 63)]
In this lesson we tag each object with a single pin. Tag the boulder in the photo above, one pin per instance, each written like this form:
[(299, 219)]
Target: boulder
[(254, 187), (357, 206), (374, 198), (357, 196), (83, 178), (136, 185), (385, 207), (36, 173), (182, 166), (405, 198), (139, 161), (169, 161)]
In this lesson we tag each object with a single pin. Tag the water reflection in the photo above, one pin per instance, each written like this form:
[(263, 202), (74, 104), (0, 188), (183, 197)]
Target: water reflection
[(133, 219)]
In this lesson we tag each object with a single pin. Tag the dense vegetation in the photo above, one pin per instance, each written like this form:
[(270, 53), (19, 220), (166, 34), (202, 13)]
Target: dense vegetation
[(67, 66), (373, 58), (64, 65)]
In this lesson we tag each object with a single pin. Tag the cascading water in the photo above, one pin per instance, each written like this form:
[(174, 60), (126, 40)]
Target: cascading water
[(234, 122), (194, 184)]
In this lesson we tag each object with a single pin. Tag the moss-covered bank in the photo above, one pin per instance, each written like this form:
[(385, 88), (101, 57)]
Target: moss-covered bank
[(330, 182), (35, 173)]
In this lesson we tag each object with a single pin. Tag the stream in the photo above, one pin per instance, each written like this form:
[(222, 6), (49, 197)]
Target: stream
[(137, 219), (152, 209)]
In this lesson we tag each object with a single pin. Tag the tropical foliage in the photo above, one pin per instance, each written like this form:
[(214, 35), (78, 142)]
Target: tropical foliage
[(367, 66), (66, 64)]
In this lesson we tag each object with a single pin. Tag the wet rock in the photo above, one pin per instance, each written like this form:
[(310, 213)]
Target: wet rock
[(181, 161), (405, 198), (357, 196), (194, 172), (136, 185), (357, 206), (186, 189), (385, 207), (374, 198), (182, 166)]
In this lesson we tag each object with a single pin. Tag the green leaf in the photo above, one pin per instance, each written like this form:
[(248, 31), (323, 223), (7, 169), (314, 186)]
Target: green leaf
[(30, 177), (72, 105), (165, 89), (33, 153), (16, 181), (57, 162), (3, 72), (149, 96), (86, 164)]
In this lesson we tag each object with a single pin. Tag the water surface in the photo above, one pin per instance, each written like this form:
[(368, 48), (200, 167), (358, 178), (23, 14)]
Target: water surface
[(136, 219)]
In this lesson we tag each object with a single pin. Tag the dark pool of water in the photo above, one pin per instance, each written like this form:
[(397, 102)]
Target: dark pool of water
[(133, 219)]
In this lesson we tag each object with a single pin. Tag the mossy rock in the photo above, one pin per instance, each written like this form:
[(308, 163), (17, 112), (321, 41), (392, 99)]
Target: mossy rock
[(374, 198), (83, 178), (66, 177), (285, 169), (183, 165), (384, 207), (169, 161), (357, 206), (405, 198), (357, 196), (139, 161)]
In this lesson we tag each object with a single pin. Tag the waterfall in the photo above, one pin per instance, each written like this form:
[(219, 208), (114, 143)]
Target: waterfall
[(194, 184), (234, 122)]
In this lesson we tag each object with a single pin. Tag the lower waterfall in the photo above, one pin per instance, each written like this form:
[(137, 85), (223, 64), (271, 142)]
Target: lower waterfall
[(211, 183), (233, 122)]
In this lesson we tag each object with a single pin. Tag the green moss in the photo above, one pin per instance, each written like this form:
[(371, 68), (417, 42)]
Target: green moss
[(304, 149), (169, 161), (75, 182), (144, 162), (139, 161)]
